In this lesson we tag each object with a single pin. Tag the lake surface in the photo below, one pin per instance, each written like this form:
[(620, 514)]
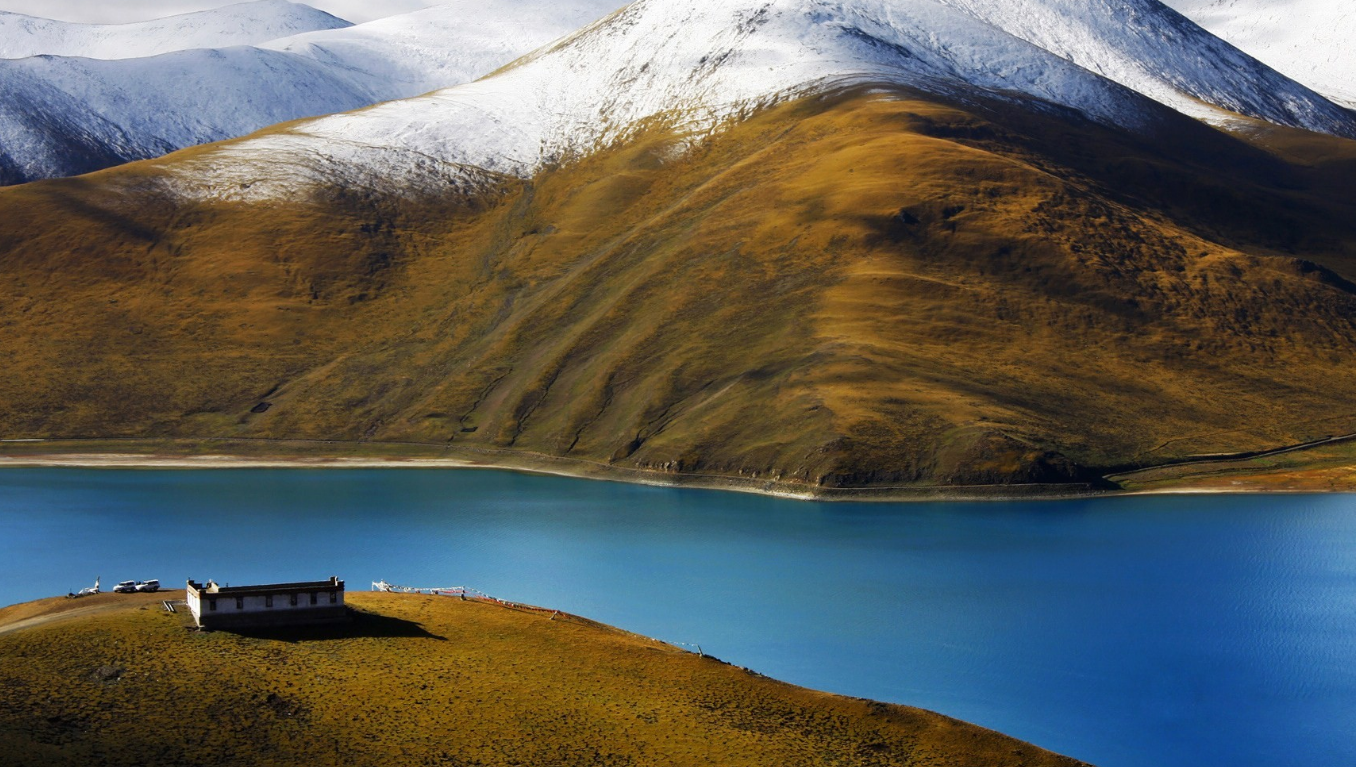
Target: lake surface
[(1164, 631)]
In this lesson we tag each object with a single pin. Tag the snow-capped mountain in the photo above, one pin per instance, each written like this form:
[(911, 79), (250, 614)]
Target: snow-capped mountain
[(67, 115), (242, 24), (1309, 40), (693, 63)]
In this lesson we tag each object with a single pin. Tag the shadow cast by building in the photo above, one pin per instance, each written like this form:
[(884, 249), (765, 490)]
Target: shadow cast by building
[(354, 624)]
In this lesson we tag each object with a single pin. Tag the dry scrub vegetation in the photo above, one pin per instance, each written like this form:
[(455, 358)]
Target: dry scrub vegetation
[(428, 681), (863, 290)]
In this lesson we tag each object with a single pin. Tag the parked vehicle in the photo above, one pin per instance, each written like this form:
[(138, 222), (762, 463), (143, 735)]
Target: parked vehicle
[(149, 586), (126, 587), (89, 591)]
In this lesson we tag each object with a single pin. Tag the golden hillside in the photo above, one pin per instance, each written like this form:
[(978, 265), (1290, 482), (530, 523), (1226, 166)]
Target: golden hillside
[(420, 680), (863, 290)]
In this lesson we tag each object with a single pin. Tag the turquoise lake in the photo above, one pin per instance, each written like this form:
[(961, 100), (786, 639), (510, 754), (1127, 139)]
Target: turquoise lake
[(1128, 632)]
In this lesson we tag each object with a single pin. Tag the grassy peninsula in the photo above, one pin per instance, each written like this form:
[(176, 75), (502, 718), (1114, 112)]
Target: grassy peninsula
[(421, 680)]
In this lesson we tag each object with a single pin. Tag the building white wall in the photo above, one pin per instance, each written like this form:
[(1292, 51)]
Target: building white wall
[(226, 603), (230, 606)]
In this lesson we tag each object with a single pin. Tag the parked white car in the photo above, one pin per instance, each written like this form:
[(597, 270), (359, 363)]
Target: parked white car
[(125, 587), (151, 585)]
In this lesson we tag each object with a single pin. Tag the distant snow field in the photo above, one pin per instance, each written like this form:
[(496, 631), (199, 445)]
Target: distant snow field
[(82, 97), (125, 11), (244, 24)]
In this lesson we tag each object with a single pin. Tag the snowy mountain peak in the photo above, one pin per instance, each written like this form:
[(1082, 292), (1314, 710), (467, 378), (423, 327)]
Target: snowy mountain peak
[(241, 24), (1146, 46), (696, 62)]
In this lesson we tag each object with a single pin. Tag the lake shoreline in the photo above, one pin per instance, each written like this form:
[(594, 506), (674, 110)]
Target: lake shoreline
[(581, 469), (546, 466)]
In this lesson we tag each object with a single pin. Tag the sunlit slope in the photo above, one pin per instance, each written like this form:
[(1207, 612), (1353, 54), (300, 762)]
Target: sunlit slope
[(419, 680), (857, 291)]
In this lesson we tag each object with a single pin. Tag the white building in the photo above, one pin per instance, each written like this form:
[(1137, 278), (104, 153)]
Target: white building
[(267, 606)]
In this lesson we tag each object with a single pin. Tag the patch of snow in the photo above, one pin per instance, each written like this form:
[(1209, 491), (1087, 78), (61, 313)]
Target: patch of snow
[(1308, 40), (448, 44)]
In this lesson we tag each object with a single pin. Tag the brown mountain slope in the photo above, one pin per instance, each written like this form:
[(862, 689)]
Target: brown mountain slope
[(418, 680), (855, 291)]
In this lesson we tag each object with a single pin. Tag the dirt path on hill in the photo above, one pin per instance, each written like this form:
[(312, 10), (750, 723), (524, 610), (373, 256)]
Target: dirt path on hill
[(1224, 458), (58, 609)]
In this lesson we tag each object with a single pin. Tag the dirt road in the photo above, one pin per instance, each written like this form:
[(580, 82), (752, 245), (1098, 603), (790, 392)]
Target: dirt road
[(57, 609)]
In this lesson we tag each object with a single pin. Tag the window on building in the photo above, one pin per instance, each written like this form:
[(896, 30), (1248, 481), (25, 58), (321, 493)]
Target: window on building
[(334, 597), (312, 597), (212, 604), (268, 601), (240, 603), (294, 600)]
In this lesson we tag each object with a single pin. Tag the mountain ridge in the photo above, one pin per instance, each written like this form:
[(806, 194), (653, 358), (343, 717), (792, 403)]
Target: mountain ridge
[(698, 64), (1055, 50)]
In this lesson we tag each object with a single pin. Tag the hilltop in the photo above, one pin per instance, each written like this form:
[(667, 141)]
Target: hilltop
[(427, 680)]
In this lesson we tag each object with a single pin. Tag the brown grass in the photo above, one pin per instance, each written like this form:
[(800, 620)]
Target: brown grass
[(857, 291), (430, 680)]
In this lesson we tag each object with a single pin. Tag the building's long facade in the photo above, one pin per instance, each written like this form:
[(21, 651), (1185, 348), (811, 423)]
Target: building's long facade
[(266, 606)]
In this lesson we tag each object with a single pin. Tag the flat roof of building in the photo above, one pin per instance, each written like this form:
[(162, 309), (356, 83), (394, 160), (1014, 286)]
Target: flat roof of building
[(268, 588)]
